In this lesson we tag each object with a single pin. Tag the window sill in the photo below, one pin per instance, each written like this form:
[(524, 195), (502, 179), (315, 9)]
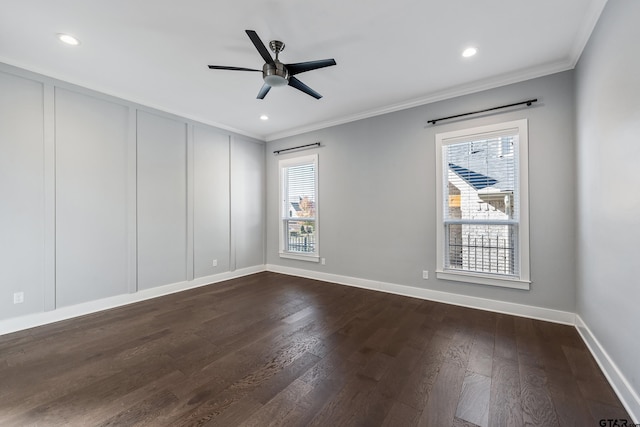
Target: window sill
[(300, 257), (506, 282)]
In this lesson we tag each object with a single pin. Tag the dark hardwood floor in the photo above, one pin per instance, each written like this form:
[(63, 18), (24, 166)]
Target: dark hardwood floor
[(274, 350)]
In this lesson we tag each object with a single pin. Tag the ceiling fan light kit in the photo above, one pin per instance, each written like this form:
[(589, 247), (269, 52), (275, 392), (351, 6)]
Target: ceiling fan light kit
[(274, 72)]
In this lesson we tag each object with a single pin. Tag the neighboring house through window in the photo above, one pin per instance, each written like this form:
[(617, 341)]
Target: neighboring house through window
[(482, 193), (299, 208)]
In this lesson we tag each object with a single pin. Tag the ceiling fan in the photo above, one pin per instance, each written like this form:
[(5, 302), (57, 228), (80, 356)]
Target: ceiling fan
[(274, 72)]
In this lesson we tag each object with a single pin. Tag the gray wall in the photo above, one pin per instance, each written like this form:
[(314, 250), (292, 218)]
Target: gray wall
[(22, 194), (377, 193), (211, 201), (608, 130), (162, 200), (91, 197), (247, 203), (101, 197)]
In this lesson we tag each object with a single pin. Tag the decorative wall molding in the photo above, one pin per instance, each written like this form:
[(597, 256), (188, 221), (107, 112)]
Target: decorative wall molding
[(64, 313), (538, 313), (618, 381)]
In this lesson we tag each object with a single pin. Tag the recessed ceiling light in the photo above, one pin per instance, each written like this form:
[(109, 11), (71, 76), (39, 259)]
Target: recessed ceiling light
[(264, 117), (470, 51), (66, 38)]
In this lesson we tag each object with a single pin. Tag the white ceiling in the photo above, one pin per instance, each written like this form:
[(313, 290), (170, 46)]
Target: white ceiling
[(390, 54)]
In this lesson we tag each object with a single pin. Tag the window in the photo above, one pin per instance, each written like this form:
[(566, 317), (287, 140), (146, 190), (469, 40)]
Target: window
[(299, 208), (482, 191)]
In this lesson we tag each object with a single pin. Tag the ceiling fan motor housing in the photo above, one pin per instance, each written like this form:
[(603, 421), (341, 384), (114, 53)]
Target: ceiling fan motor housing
[(275, 74)]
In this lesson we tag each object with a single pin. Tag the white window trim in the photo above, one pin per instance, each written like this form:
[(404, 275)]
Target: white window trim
[(282, 164), (442, 139)]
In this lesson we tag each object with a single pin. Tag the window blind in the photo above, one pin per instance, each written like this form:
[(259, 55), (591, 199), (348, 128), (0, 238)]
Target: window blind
[(481, 204), (300, 190), (299, 206)]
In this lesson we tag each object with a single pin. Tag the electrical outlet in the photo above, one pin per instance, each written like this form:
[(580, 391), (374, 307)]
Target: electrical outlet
[(322, 261), (18, 297), (215, 262), (425, 274)]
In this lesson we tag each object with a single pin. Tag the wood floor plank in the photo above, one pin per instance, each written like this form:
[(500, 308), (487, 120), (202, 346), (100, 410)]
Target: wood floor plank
[(457, 422), (481, 354), (528, 343), (376, 366), (416, 392), (133, 401), (276, 410), (276, 350), (473, 405), (233, 416), (375, 408), (402, 415), (460, 348), (400, 371), (598, 390), (323, 389), (213, 398), (144, 413), (347, 405), (505, 406), (536, 402), (94, 395), (443, 397), (404, 332), (268, 389), (571, 412), (505, 346)]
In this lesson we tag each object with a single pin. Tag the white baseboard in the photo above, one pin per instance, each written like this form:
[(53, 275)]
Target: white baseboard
[(618, 381), (64, 313), (521, 310)]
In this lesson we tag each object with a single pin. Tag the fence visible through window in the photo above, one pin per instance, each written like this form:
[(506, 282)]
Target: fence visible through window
[(301, 235), (304, 243), (482, 249)]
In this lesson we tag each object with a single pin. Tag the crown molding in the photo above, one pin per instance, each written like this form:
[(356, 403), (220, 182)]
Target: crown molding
[(453, 92), (592, 15)]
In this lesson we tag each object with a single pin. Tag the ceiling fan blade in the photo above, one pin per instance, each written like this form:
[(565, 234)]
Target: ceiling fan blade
[(301, 67), (264, 91), (222, 67), (303, 87), (262, 50)]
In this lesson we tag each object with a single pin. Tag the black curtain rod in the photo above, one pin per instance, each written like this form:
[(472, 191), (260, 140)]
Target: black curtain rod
[(528, 102), (315, 144)]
